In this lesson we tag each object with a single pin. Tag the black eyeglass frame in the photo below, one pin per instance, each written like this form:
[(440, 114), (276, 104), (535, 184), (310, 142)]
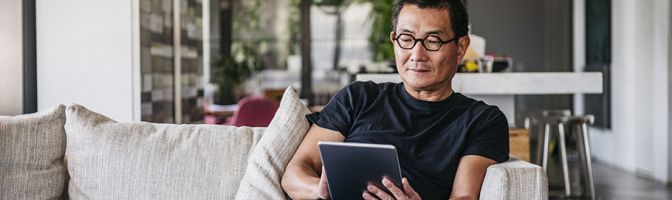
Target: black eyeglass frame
[(396, 38)]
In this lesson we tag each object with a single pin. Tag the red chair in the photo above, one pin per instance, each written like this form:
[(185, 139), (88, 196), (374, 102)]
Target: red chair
[(253, 111)]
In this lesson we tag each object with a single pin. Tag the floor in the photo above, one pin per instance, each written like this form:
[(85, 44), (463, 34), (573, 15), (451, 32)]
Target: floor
[(612, 183)]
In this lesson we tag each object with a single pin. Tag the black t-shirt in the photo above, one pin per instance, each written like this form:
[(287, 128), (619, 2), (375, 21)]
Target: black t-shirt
[(430, 137)]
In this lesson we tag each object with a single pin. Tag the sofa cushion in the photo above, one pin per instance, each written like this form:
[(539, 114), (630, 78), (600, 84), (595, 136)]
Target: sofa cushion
[(139, 160), (514, 179), (270, 157), (31, 155)]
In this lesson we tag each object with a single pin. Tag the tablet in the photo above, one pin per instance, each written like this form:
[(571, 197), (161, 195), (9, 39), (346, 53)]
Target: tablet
[(351, 166)]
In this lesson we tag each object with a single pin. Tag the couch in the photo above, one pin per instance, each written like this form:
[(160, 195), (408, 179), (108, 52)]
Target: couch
[(71, 152)]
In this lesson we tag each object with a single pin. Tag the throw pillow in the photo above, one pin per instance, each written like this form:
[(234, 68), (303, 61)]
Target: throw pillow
[(139, 160), (270, 157), (31, 155)]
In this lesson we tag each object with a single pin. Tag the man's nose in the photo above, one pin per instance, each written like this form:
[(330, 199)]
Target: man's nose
[(418, 53)]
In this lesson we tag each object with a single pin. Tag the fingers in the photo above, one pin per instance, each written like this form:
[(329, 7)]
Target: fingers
[(323, 191), (323, 178), (376, 192), (368, 196), (408, 190), (373, 192), (396, 191), (323, 186)]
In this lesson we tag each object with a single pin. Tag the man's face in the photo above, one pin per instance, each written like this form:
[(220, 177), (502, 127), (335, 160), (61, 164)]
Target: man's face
[(419, 68)]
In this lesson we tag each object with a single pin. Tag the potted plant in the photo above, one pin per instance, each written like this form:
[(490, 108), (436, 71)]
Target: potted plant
[(230, 72), (379, 38)]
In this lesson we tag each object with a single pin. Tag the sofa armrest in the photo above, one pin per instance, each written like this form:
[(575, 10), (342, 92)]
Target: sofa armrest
[(515, 179)]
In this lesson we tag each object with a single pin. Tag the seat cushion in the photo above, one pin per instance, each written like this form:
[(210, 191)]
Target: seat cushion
[(270, 157), (31, 155), (138, 160)]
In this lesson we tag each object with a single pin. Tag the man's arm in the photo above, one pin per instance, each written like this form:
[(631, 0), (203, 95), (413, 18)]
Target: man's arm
[(469, 176), (302, 174)]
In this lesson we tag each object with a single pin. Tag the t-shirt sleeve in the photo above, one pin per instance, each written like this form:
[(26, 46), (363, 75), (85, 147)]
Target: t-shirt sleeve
[(490, 137), (338, 114)]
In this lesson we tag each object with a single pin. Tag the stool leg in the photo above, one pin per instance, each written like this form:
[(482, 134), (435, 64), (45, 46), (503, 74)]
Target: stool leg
[(534, 136), (581, 149), (547, 130), (563, 156), (588, 168), (539, 130)]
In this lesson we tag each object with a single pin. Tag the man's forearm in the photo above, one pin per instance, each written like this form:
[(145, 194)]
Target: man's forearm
[(463, 198), (300, 182), (469, 177)]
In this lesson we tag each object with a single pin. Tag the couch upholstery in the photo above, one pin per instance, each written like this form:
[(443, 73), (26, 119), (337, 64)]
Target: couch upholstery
[(268, 160), (106, 159), (137, 160), (31, 155), (515, 179)]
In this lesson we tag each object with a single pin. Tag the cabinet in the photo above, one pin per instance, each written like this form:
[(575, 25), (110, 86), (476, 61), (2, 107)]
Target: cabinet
[(171, 61)]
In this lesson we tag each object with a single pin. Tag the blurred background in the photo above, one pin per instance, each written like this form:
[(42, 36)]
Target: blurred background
[(605, 64)]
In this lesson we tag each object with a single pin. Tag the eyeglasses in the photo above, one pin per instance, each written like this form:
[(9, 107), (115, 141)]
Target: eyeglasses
[(431, 43)]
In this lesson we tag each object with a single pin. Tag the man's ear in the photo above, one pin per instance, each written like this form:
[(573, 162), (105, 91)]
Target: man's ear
[(392, 37), (462, 46)]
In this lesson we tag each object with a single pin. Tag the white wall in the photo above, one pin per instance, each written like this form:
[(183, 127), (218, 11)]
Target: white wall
[(11, 58), (643, 114), (669, 94), (85, 55), (660, 85), (639, 139), (579, 50)]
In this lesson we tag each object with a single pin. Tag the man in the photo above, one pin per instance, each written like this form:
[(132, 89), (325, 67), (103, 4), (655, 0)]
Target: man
[(445, 141)]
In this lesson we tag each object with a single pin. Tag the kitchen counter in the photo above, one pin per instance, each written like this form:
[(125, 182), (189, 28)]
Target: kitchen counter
[(500, 88), (514, 83)]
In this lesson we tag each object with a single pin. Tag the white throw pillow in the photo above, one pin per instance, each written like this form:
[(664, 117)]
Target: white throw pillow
[(139, 160), (275, 149), (31, 155)]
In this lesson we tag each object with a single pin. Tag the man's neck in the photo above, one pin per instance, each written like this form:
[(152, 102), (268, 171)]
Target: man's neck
[(429, 95)]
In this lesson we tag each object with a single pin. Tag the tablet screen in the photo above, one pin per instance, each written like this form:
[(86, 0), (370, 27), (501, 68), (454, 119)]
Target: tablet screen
[(351, 166)]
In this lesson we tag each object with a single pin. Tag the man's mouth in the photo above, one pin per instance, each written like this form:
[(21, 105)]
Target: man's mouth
[(419, 70)]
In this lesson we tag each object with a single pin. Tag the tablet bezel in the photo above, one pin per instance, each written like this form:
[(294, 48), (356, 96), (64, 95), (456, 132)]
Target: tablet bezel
[(384, 150)]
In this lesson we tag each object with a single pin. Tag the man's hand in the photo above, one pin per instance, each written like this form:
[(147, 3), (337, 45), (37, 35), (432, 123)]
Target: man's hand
[(302, 178), (373, 192), (322, 190)]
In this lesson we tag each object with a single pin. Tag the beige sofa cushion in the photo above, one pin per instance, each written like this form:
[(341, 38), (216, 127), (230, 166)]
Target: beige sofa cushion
[(277, 146), (138, 160), (514, 179), (31, 155)]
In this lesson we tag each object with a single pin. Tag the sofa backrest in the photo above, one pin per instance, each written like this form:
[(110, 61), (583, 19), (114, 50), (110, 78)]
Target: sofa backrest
[(106, 159), (138, 160), (31, 155)]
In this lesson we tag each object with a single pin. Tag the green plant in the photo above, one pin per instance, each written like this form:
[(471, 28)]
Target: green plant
[(294, 26), (380, 16), (235, 68), (379, 38), (231, 71)]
